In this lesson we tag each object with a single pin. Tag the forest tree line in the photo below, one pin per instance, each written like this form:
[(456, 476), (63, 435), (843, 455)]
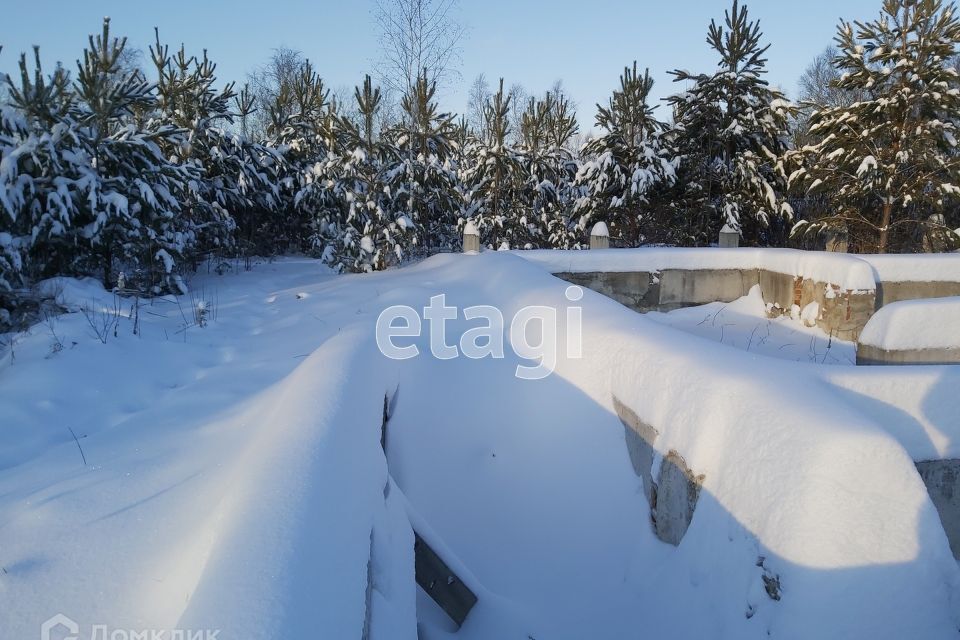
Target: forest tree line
[(110, 169)]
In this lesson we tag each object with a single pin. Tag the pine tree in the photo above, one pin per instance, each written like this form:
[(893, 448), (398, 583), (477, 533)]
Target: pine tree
[(133, 216), (42, 161), (374, 237), (422, 176), (889, 162), (304, 130), (547, 126), (629, 163), (237, 177), (732, 130), (493, 178)]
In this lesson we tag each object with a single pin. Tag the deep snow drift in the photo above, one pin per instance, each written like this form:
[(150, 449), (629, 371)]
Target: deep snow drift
[(235, 479)]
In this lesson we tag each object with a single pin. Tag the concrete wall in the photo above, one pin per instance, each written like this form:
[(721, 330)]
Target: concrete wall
[(942, 478), (888, 292), (870, 355), (687, 288), (842, 315), (637, 290), (672, 496)]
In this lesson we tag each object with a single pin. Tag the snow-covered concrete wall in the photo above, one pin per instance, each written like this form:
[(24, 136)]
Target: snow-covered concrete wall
[(913, 332), (840, 291), (840, 313)]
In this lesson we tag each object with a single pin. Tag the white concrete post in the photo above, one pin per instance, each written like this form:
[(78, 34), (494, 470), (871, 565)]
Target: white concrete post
[(600, 236), (471, 238), (729, 237)]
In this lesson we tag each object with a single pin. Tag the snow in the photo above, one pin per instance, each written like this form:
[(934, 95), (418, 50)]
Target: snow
[(600, 230), (930, 267), (743, 324), (915, 324), (235, 478), (847, 272)]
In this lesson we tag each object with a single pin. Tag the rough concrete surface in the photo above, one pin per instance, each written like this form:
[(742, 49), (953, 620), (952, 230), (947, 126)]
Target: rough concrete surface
[(672, 498), (942, 478), (871, 355)]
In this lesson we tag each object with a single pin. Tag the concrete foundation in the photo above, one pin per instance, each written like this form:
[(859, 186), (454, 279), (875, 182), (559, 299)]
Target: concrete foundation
[(637, 290), (687, 288), (870, 355), (672, 497), (842, 314), (888, 292), (942, 478), (676, 494)]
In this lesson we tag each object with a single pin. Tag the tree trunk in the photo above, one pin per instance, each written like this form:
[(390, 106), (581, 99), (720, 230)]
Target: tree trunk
[(885, 226)]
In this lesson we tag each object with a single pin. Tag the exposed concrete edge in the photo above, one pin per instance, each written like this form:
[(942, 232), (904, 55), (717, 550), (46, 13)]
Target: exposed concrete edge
[(672, 498), (870, 355), (942, 479)]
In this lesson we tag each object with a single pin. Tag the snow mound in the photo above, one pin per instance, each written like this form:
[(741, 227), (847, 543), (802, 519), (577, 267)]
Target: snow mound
[(936, 267), (915, 324)]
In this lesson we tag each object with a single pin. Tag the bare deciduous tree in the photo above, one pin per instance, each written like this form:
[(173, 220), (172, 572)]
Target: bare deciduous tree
[(476, 101), (418, 35), (266, 83), (818, 89)]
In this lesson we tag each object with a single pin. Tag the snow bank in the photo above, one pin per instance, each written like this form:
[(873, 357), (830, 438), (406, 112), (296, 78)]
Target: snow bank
[(794, 475), (917, 405), (937, 267), (843, 270), (915, 324), (235, 477)]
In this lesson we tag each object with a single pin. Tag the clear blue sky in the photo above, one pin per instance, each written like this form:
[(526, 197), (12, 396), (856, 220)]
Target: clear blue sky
[(585, 43)]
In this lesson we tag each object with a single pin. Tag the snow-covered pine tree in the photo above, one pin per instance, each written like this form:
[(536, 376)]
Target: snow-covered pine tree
[(731, 130), (626, 165), (236, 176), (890, 161), (546, 128), (493, 179), (39, 193), (302, 128), (374, 236), (133, 192), (421, 178)]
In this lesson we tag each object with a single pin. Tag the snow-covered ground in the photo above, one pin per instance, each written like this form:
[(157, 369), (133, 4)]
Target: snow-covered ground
[(231, 476), (743, 324)]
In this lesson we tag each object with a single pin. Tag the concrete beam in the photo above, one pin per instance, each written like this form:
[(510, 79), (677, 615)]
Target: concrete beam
[(440, 583), (871, 355)]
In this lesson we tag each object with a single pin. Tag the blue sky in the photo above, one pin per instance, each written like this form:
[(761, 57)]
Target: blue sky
[(586, 43)]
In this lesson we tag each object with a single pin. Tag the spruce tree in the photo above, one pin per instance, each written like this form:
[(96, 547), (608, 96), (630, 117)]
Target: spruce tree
[(889, 162), (626, 165), (731, 130)]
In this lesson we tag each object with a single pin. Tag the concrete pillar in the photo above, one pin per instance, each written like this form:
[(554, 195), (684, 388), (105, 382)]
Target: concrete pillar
[(600, 236), (729, 237), (471, 238)]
